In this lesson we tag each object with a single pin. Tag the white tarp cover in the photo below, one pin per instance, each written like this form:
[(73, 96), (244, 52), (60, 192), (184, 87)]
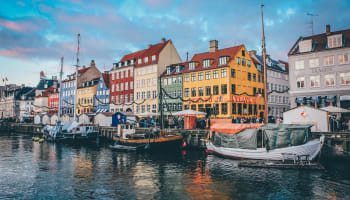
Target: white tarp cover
[(333, 109), (188, 112)]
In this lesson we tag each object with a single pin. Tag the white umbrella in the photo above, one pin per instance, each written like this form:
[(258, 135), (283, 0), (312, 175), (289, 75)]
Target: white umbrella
[(333, 109), (147, 114), (189, 112)]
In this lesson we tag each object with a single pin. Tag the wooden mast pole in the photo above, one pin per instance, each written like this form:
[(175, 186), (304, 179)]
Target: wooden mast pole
[(76, 81), (265, 68)]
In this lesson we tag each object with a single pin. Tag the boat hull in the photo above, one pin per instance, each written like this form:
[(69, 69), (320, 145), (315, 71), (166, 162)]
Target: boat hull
[(166, 143), (312, 149)]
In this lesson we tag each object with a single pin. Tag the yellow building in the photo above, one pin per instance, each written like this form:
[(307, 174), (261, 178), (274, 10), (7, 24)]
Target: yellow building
[(85, 97), (224, 82)]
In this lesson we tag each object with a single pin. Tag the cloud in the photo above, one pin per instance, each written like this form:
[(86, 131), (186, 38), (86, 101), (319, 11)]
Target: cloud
[(11, 25)]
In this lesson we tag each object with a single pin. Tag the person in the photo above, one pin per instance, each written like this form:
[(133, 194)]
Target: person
[(208, 123)]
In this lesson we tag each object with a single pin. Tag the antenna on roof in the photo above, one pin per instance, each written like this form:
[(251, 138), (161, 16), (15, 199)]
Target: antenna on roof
[(312, 21), (186, 56)]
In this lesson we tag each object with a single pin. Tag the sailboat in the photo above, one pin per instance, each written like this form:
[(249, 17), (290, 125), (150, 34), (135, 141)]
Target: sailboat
[(71, 131)]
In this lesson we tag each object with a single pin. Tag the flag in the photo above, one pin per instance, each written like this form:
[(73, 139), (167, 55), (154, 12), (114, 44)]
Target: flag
[(6, 79)]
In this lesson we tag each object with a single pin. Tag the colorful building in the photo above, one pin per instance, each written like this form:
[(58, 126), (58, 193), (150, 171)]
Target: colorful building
[(53, 100), (149, 64), (225, 83), (171, 82), (122, 84), (85, 97), (101, 100)]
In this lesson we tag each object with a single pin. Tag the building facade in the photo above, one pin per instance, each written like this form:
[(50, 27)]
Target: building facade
[(122, 84), (101, 100), (277, 84), (319, 73), (149, 64), (85, 97), (224, 83), (171, 82), (53, 101), (26, 106)]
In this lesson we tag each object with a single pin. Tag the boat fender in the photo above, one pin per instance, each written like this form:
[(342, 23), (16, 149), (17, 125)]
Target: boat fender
[(184, 144)]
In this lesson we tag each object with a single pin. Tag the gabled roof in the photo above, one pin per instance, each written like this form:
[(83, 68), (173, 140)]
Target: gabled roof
[(42, 82), (231, 52), (173, 69), (258, 59), (319, 42), (149, 52), (80, 72), (105, 77)]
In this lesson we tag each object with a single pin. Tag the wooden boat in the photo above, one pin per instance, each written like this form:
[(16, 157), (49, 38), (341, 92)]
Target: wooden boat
[(127, 137), (262, 150)]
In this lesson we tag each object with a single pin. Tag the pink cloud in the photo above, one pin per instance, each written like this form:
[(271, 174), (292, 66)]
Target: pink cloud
[(157, 3), (21, 3), (17, 52), (11, 25)]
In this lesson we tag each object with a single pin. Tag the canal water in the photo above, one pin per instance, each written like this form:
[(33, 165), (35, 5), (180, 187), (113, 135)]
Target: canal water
[(30, 170)]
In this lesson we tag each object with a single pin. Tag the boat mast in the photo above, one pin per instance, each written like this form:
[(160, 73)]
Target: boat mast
[(76, 80), (161, 105), (265, 68), (60, 97)]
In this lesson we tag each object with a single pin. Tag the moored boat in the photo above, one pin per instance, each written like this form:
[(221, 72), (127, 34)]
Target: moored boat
[(258, 142)]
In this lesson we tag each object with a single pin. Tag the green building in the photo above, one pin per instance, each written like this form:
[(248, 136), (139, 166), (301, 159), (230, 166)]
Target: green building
[(171, 80)]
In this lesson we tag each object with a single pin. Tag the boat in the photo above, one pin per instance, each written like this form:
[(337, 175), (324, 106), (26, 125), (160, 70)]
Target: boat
[(128, 139), (264, 142)]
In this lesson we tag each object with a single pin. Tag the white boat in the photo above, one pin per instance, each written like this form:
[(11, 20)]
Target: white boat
[(308, 150)]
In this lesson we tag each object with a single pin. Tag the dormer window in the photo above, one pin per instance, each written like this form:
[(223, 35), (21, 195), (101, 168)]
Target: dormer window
[(114, 66), (178, 69), (335, 41), (126, 63), (223, 60), (192, 66), (120, 64), (305, 46), (139, 61), (153, 57), (132, 61), (146, 60), (168, 70), (206, 63)]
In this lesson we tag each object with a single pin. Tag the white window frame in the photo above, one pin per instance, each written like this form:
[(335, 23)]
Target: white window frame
[(327, 78), (299, 64), (314, 62), (315, 81)]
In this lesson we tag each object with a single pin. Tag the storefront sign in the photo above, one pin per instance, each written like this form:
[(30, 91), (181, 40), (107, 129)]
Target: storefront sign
[(240, 99)]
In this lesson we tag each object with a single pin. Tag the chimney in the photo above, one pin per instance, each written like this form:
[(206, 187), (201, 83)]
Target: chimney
[(328, 29), (163, 40), (252, 52), (149, 46), (213, 45), (92, 63)]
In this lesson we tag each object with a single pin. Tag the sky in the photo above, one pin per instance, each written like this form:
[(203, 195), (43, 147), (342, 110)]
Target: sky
[(35, 34)]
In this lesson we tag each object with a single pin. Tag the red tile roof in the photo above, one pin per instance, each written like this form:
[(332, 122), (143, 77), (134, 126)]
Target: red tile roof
[(106, 79), (232, 51), (149, 52)]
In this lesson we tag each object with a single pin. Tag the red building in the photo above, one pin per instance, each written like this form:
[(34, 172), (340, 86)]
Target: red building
[(122, 84), (53, 100)]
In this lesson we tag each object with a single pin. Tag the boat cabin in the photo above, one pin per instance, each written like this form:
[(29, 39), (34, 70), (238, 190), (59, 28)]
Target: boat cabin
[(126, 130)]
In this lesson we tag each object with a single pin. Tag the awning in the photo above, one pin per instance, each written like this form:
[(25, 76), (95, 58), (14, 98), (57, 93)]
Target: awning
[(333, 109), (188, 112)]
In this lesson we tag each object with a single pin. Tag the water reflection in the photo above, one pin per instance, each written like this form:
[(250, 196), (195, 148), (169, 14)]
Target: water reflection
[(30, 170)]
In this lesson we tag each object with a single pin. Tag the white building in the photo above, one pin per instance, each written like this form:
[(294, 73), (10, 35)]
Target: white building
[(103, 119)]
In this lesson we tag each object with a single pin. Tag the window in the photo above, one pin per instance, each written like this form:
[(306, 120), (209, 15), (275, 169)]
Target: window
[(224, 89), (112, 88), (131, 85), (335, 41), (187, 78), (344, 59), (328, 60), (223, 60), (299, 64), (314, 63), (345, 78), (153, 57), (127, 86), (112, 76), (233, 89), (148, 108), (233, 73), (168, 70), (238, 60), (249, 76), (154, 94), (200, 91), (223, 73), (315, 81), (122, 74), (193, 107), (192, 66), (154, 108), (243, 53), (239, 108), (249, 63), (131, 97), (146, 59), (254, 90), (224, 108), (250, 109), (216, 89), (117, 75), (330, 80), (187, 92), (193, 77), (207, 75), (243, 61), (201, 108), (193, 92), (305, 46), (200, 76), (143, 95), (206, 63), (208, 90), (234, 108), (216, 109), (254, 77), (300, 82), (117, 87), (216, 74), (148, 94)]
